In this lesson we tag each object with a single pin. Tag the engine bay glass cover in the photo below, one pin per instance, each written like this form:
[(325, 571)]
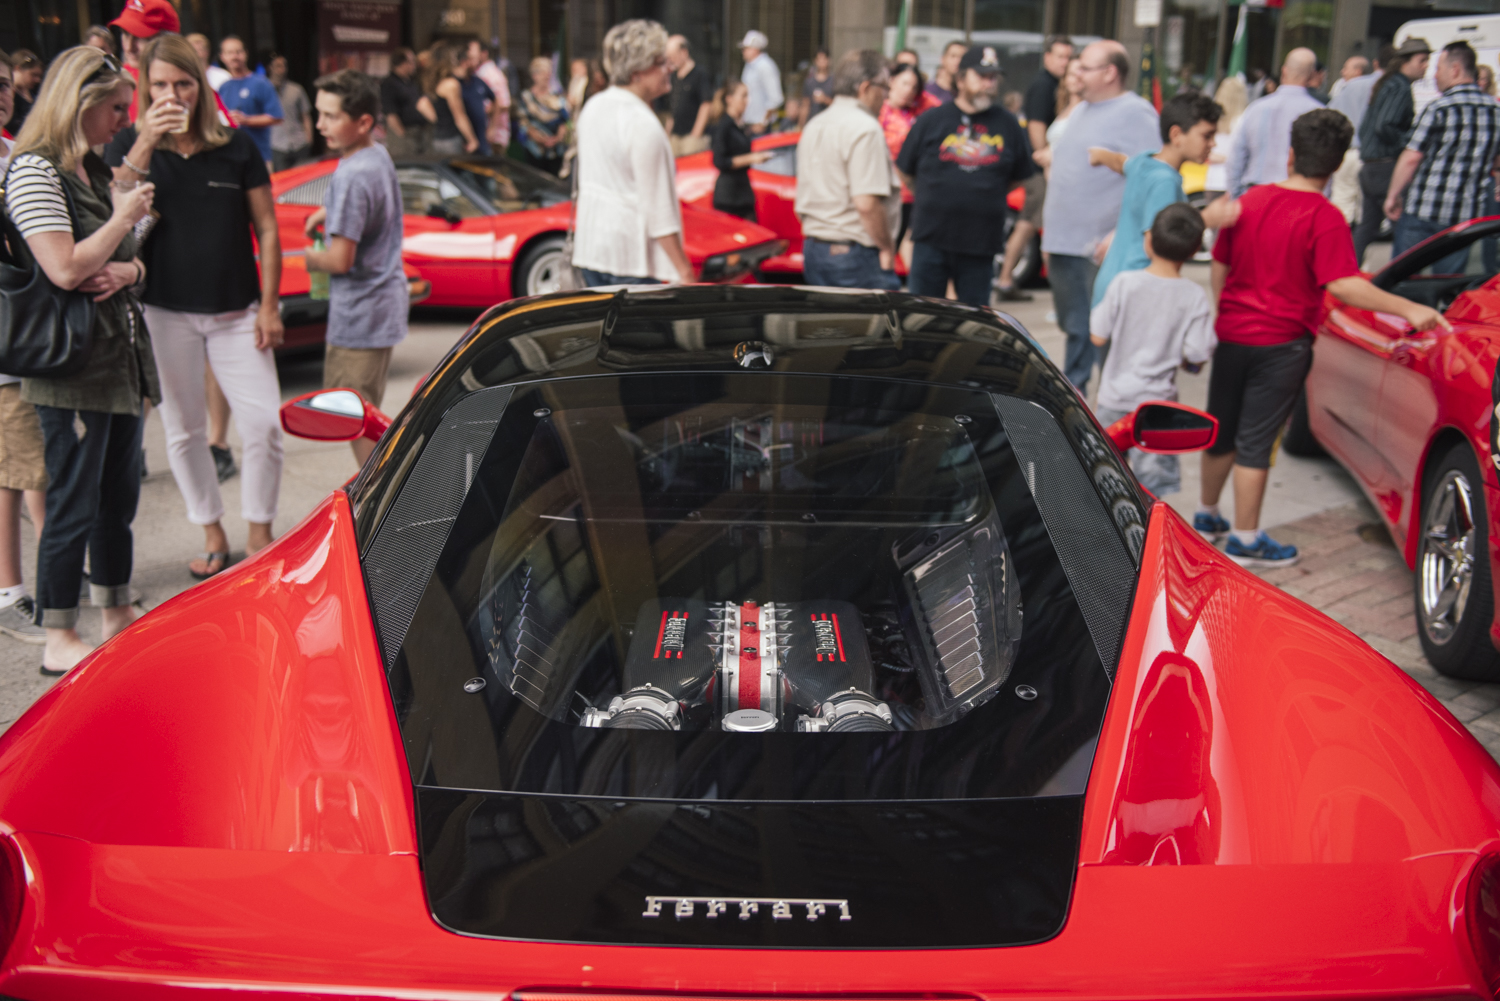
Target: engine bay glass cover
[(657, 576)]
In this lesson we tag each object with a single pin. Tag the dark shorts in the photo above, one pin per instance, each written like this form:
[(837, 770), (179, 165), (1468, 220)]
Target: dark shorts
[(1251, 390)]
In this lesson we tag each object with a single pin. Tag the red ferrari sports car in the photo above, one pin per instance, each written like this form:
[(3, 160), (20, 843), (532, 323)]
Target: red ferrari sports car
[(775, 184), (485, 229), (1408, 414), (743, 642)]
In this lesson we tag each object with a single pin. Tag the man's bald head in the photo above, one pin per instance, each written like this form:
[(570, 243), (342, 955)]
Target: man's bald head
[(1299, 67), (1105, 67)]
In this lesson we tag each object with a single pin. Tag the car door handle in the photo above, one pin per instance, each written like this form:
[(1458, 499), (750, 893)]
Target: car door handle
[(1360, 334)]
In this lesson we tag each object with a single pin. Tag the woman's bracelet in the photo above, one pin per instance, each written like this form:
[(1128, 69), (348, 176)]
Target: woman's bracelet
[(126, 161), (140, 273)]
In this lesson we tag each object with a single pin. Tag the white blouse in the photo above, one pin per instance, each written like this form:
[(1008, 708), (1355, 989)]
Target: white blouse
[(627, 192)]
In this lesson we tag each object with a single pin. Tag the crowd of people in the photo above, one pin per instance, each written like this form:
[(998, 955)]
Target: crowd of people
[(143, 181)]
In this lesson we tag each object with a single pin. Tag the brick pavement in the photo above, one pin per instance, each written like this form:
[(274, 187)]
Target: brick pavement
[(1351, 571)]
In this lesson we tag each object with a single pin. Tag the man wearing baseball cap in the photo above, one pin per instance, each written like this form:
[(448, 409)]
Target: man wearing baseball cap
[(961, 159), (762, 79)]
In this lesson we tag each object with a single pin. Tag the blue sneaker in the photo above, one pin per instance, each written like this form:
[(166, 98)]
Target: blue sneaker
[(1211, 526), (1266, 552)]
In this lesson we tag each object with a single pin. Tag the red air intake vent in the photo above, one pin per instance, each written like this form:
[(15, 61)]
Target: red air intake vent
[(12, 893), (1482, 909)]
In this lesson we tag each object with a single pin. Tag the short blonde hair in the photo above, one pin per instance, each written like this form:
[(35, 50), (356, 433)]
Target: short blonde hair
[(174, 50), (79, 79), (633, 47)]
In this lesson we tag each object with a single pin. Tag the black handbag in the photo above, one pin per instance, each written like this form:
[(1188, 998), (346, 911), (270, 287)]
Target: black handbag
[(45, 332)]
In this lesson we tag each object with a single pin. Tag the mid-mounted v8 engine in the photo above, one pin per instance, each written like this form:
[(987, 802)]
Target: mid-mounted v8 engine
[(753, 667)]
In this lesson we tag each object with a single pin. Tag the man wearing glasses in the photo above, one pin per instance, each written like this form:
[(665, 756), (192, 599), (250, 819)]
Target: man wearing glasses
[(1083, 202)]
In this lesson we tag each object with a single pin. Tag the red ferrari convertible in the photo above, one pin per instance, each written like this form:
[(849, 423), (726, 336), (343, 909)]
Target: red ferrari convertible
[(1408, 415), (743, 642), (481, 230)]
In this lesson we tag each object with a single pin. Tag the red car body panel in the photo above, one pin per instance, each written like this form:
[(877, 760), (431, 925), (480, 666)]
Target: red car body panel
[(218, 800), (1385, 400), (469, 262)]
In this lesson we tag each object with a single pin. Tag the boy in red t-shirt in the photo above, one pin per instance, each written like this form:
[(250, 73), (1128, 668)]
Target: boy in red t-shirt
[(1269, 273)]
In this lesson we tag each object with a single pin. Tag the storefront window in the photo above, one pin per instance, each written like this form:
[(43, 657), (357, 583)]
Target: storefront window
[(1185, 46)]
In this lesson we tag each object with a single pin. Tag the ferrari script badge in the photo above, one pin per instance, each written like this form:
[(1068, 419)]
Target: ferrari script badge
[(781, 908)]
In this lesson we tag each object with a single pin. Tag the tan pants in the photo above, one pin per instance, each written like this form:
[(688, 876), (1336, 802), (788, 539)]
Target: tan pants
[(360, 369), (1345, 193), (687, 145)]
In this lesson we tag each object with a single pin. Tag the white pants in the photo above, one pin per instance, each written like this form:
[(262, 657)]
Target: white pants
[(181, 342)]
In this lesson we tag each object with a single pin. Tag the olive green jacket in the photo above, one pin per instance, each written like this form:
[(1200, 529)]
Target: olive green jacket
[(121, 370)]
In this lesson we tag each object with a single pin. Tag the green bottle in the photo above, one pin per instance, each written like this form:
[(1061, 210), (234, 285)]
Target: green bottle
[(317, 281)]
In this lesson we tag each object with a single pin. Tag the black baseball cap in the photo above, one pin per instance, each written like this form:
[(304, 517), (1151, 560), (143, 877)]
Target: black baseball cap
[(981, 59)]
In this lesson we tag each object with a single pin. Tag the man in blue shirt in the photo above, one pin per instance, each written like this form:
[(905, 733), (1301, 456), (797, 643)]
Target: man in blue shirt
[(477, 96), (251, 100), (1263, 137)]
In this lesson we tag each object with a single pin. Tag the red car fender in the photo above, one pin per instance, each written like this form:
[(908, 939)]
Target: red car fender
[(250, 712), (1247, 728)]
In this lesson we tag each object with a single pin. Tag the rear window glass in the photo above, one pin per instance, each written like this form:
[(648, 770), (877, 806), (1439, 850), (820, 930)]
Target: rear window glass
[(752, 587)]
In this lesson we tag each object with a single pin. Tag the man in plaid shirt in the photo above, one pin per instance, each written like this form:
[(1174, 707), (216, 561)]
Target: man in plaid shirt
[(1448, 161)]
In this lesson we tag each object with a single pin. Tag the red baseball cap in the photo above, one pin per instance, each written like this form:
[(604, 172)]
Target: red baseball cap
[(147, 18)]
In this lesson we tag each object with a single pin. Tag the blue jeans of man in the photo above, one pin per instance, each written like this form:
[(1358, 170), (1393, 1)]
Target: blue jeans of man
[(845, 265), (933, 267), (93, 488), (1411, 230), (1490, 248), (594, 279), (1072, 280)]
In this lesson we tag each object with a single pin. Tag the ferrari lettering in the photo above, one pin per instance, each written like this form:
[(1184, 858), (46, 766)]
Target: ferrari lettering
[(713, 907)]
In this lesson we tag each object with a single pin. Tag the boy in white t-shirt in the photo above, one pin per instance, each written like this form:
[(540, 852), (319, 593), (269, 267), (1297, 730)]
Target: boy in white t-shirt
[(23, 475), (1154, 320)]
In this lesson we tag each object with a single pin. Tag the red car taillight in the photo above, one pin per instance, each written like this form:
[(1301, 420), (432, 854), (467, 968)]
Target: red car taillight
[(1482, 910), (12, 893)]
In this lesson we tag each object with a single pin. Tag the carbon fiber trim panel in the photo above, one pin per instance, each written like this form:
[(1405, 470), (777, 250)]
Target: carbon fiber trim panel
[(400, 559), (1090, 549)]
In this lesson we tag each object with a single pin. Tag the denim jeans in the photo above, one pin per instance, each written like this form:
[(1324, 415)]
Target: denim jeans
[(1072, 280), (1490, 248), (845, 265), (1160, 474), (1374, 179), (94, 485), (931, 269), (594, 279), (1412, 230)]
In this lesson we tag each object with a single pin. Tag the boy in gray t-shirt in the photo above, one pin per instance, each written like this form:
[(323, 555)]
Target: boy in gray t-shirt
[(368, 298)]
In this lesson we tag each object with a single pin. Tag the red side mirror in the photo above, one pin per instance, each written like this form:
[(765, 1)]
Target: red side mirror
[(333, 415), (1165, 428)]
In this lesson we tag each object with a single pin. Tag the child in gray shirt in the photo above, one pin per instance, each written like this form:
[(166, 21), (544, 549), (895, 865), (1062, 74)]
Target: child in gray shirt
[(1154, 320)]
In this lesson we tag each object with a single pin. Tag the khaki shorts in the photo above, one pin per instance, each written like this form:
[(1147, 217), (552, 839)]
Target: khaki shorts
[(1035, 187), (687, 145), (23, 464), (360, 369)]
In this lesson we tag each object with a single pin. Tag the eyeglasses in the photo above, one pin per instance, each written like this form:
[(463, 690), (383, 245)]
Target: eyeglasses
[(109, 66)]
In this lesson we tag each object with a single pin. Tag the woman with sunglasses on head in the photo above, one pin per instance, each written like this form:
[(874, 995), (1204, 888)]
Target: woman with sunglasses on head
[(57, 194), (204, 303)]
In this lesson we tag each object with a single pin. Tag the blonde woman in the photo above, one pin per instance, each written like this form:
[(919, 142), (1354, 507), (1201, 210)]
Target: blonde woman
[(57, 193), (542, 118), (204, 303), (1234, 99), (629, 219)]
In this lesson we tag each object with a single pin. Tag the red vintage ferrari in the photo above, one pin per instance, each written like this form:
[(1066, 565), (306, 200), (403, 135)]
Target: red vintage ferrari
[(743, 642), (481, 230), (1408, 414)]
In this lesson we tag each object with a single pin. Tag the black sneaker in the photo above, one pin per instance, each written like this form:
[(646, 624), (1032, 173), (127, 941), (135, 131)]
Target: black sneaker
[(16, 621), (223, 462), (1009, 293)]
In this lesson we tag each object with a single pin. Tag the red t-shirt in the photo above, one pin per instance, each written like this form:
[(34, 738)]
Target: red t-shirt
[(1285, 247)]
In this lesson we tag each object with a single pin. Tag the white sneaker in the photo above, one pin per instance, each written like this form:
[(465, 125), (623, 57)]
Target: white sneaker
[(16, 621)]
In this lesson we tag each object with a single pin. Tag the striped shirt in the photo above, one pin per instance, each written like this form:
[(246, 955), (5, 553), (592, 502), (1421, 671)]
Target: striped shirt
[(34, 197), (1458, 136)]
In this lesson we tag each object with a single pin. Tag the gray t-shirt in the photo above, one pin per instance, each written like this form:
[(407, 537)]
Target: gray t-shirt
[(290, 136), (1153, 325), (367, 306), (1083, 202)]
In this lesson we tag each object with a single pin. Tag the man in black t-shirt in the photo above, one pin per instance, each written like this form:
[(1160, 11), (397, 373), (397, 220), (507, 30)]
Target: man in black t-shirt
[(690, 99), (1041, 112), (961, 160), (406, 131)]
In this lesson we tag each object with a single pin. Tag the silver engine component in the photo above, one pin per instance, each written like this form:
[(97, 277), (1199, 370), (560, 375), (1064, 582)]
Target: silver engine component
[(850, 711), (644, 708)]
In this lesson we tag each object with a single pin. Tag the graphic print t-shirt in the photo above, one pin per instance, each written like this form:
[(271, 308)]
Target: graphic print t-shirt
[(964, 165)]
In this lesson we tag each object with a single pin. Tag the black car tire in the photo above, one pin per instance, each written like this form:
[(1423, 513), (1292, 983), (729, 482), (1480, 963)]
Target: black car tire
[(1454, 593), (538, 270), (1298, 438)]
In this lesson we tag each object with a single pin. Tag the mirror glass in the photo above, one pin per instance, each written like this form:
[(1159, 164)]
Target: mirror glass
[(1163, 427), (339, 401)]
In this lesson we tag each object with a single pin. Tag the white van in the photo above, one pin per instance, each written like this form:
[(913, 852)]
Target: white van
[(1482, 31)]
